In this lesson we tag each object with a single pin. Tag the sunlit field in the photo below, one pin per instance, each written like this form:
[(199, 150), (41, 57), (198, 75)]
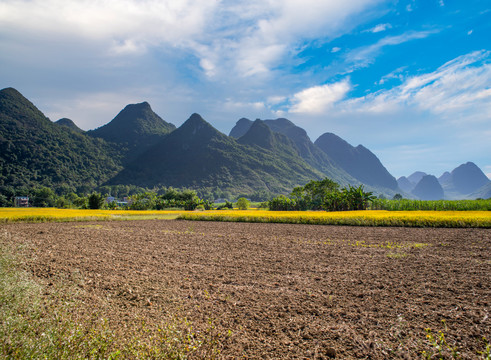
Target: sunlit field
[(455, 219), (359, 218), (52, 214)]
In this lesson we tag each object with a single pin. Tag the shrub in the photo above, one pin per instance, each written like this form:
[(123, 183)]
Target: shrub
[(96, 201), (243, 203)]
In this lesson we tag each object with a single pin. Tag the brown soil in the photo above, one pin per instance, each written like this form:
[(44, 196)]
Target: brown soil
[(283, 291)]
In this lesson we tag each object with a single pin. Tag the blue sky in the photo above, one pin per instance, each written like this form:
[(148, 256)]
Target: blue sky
[(410, 80)]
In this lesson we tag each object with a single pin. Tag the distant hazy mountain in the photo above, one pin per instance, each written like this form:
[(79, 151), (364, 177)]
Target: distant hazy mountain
[(34, 151), (67, 123), (445, 177), (198, 155), (358, 161), (135, 129), (464, 179), (467, 181), (483, 192), (261, 135), (416, 177), (405, 185), (428, 188)]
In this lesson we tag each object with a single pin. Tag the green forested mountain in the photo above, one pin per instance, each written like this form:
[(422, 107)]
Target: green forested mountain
[(68, 123), (135, 129), (139, 148), (303, 146), (198, 155), (35, 151)]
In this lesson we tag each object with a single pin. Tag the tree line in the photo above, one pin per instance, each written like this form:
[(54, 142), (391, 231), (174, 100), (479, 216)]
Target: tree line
[(144, 200), (323, 195), (315, 195)]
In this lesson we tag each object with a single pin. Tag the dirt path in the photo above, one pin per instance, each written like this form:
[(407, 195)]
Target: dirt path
[(279, 291)]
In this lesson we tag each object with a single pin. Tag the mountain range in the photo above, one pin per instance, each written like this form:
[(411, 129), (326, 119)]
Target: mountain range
[(466, 181), (140, 148)]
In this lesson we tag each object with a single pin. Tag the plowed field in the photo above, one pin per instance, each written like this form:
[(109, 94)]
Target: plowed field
[(275, 290)]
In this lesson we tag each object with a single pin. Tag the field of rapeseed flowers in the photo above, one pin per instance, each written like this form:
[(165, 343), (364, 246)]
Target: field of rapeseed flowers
[(360, 218)]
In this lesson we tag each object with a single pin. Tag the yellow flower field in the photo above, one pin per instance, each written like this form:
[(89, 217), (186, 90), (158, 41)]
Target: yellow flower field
[(481, 219), (52, 214), (361, 218)]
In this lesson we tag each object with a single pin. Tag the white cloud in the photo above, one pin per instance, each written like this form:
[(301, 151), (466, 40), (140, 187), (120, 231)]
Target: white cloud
[(396, 74), (318, 99), (459, 87), (470, 32), (487, 171), (364, 56), (273, 100), (125, 21), (244, 106), (335, 49), (380, 28), (244, 38)]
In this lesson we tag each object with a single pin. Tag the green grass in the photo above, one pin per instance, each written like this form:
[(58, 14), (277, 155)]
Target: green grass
[(34, 325), (436, 205)]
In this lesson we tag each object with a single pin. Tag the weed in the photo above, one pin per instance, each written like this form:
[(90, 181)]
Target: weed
[(396, 255), (441, 349)]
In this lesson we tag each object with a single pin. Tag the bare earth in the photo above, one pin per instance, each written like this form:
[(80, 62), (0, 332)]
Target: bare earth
[(276, 290)]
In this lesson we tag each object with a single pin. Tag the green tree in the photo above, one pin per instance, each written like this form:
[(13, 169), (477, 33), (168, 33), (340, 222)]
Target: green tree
[(4, 202), (397, 197), (44, 197), (144, 201), (95, 201), (243, 203)]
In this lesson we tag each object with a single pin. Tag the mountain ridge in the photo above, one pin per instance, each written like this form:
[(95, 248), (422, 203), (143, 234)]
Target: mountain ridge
[(135, 128), (197, 154), (138, 147), (358, 161)]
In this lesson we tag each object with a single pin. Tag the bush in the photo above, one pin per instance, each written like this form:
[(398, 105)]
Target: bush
[(227, 205), (96, 201), (243, 204)]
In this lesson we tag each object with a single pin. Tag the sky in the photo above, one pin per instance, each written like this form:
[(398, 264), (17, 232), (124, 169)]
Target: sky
[(410, 80)]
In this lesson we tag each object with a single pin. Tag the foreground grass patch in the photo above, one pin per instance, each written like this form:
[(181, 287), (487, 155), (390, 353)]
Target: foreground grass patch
[(453, 219), (52, 214)]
